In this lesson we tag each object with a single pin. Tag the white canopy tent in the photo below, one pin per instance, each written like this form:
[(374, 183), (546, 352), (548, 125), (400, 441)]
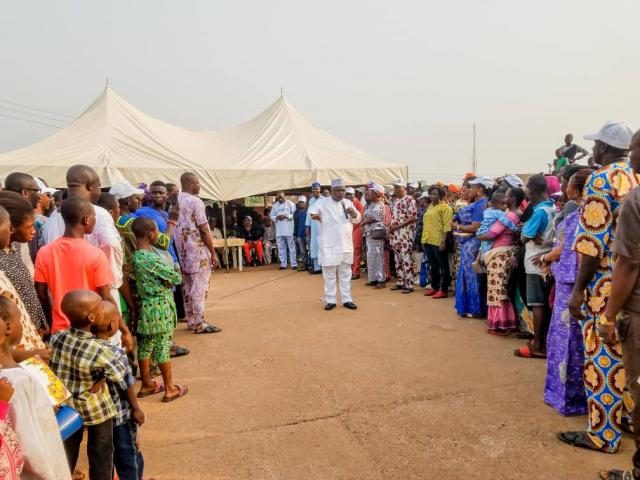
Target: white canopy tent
[(278, 150)]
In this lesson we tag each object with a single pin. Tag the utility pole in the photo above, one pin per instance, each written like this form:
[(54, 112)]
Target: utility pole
[(474, 159)]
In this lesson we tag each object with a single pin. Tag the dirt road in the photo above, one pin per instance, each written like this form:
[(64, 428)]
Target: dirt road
[(399, 389)]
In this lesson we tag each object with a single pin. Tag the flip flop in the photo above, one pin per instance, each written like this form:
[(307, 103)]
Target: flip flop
[(207, 329), (616, 475), (178, 351), (158, 388), (182, 391), (526, 352)]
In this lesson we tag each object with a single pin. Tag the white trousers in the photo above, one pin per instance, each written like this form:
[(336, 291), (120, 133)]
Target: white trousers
[(343, 274), (284, 244)]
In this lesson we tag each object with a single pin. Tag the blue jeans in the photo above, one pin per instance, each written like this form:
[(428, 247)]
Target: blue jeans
[(126, 457)]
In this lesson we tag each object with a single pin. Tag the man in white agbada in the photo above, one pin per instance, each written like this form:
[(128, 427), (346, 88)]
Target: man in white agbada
[(336, 216)]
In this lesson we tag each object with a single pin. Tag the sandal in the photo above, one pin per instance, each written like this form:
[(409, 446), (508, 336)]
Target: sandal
[(158, 387), (182, 391), (580, 440), (498, 333), (526, 352), (178, 351), (616, 475), (524, 335), (207, 329)]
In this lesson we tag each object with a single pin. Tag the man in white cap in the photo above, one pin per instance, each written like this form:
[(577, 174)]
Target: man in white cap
[(282, 215), (412, 188), (312, 229), (128, 197), (604, 373), (336, 217), (300, 231), (350, 194)]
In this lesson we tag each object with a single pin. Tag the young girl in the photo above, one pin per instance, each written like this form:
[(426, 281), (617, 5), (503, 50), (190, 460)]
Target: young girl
[(31, 343), (11, 458), (31, 411)]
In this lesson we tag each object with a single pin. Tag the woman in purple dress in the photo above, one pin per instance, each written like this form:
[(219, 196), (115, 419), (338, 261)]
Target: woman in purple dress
[(564, 386)]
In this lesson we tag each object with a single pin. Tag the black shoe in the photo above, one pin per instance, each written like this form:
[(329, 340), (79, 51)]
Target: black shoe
[(350, 306), (282, 268), (330, 306), (355, 277), (316, 272)]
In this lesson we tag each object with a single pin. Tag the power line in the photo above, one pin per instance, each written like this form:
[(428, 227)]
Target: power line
[(36, 108), (31, 121), (17, 110)]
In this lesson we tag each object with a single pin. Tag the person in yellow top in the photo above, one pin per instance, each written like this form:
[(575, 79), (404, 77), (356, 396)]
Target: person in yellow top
[(436, 224)]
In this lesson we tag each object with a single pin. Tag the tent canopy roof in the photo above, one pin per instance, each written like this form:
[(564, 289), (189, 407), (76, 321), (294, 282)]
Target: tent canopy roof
[(279, 149)]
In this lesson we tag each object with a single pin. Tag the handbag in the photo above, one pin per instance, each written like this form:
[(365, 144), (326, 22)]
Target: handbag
[(379, 233), (69, 421)]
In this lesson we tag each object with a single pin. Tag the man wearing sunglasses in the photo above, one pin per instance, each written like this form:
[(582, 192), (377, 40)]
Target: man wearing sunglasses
[(25, 185)]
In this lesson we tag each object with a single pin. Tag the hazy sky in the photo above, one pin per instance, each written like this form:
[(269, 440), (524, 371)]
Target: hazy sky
[(403, 80)]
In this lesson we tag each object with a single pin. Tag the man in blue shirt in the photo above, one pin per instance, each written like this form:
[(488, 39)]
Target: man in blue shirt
[(299, 231), (537, 235)]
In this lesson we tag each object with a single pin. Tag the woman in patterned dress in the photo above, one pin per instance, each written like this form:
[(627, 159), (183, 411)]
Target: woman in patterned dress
[(374, 220), (471, 297), (564, 385), (402, 234), (501, 317)]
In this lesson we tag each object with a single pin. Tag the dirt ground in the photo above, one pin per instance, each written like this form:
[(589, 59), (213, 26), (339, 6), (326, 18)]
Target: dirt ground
[(399, 389)]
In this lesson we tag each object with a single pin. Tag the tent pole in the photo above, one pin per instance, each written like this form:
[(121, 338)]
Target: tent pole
[(225, 250)]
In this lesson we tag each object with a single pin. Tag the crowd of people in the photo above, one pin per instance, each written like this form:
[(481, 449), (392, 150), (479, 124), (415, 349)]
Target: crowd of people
[(93, 283), (553, 260)]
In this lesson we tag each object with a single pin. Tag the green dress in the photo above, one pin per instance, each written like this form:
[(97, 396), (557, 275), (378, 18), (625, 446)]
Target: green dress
[(154, 282)]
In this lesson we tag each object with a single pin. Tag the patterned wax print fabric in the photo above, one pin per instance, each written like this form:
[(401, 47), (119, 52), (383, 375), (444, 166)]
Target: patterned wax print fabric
[(154, 282), (11, 263), (564, 386), (11, 457), (30, 339), (603, 370), (192, 251), (401, 240), (471, 298)]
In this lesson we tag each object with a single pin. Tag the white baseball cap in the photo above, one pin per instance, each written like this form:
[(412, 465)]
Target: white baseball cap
[(350, 190), (43, 188), (514, 181), (124, 189), (414, 185), (399, 183), (480, 180), (616, 134), (424, 195), (302, 198)]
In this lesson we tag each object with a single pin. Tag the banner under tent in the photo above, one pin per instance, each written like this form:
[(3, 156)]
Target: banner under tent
[(279, 149)]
